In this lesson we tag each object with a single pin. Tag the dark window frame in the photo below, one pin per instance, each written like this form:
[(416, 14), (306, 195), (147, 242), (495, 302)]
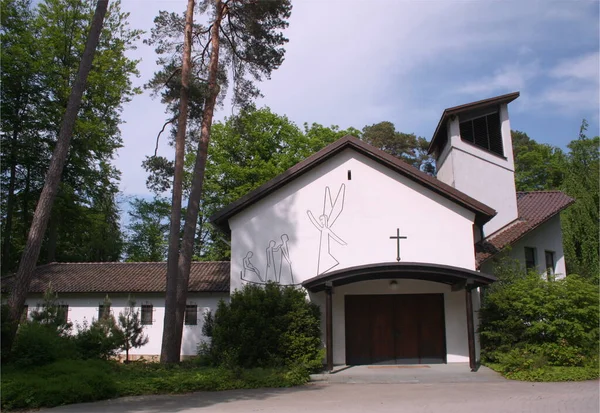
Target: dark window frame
[(147, 314), (550, 269), (467, 133), (189, 320), (531, 264), (102, 311)]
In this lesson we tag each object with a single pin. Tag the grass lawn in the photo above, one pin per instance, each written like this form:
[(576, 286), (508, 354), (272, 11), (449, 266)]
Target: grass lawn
[(77, 381), (549, 373)]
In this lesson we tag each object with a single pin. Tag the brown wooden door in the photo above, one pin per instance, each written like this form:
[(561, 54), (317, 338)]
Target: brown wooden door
[(406, 328), (432, 332), (401, 328)]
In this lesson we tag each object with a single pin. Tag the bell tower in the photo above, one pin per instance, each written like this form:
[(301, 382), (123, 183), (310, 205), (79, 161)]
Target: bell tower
[(472, 146)]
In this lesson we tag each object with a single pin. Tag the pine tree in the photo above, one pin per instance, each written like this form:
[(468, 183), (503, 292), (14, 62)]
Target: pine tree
[(132, 327)]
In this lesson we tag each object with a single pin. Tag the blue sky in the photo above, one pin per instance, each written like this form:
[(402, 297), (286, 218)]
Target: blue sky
[(355, 63)]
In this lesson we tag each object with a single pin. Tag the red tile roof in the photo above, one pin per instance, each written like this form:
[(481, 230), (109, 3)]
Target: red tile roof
[(123, 277), (534, 208)]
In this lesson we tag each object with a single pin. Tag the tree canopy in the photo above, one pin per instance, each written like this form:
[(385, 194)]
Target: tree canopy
[(42, 45)]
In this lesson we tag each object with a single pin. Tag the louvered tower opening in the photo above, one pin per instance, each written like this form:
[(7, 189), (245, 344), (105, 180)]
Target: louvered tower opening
[(484, 132)]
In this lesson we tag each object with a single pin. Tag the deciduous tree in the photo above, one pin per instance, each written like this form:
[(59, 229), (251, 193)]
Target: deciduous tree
[(44, 207)]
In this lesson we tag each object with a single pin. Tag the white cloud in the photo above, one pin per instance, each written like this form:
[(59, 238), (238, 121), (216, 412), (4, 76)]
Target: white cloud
[(509, 78), (582, 67)]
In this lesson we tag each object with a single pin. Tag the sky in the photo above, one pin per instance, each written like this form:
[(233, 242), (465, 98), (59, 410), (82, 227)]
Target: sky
[(355, 63)]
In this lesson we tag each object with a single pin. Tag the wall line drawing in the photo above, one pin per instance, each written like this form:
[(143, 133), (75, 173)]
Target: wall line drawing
[(331, 212), (278, 265), (249, 267)]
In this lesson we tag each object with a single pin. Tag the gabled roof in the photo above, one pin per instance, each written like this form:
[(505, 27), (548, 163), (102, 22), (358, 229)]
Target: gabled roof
[(483, 213), (534, 208), (123, 277), (456, 110)]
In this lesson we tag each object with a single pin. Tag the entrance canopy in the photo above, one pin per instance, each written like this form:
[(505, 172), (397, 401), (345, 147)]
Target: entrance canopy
[(445, 274)]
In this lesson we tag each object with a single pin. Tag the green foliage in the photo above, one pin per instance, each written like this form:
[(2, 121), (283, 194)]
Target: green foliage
[(39, 344), (581, 221), (132, 328), (270, 326), (528, 323), (408, 147), (63, 382), (78, 381), (154, 378), (42, 45), (537, 166), (148, 230), (102, 339), (51, 313)]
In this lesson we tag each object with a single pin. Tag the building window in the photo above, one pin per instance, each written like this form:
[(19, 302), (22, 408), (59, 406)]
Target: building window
[(103, 311), (484, 132), (549, 263), (191, 315), (147, 313), (63, 313), (530, 258)]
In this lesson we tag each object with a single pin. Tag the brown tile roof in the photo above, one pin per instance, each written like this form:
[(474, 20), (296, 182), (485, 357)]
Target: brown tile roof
[(123, 277), (483, 213), (535, 208), (448, 112)]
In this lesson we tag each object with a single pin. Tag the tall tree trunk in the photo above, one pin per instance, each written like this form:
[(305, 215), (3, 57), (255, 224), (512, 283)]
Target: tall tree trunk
[(171, 346), (10, 206), (25, 199), (44, 206), (52, 237), (191, 217)]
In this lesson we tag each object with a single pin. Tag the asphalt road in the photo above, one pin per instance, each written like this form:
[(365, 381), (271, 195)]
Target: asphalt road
[(486, 397)]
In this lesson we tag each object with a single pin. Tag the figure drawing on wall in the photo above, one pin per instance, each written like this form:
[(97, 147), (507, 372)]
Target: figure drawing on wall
[(331, 212), (278, 264)]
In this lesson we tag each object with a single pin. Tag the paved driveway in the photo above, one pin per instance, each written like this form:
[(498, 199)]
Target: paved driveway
[(480, 397)]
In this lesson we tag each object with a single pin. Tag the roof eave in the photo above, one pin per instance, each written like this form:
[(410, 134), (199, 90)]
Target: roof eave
[(220, 219)]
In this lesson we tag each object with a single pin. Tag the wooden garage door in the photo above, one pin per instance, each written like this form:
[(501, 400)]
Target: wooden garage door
[(395, 329)]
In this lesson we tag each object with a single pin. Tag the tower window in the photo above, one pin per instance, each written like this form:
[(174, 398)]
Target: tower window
[(484, 132)]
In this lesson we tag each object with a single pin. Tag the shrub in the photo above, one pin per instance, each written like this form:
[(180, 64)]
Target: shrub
[(266, 327), (51, 313), (64, 382), (100, 340), (39, 344), (524, 316)]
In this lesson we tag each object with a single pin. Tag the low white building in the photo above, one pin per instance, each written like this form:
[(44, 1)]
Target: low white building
[(393, 256)]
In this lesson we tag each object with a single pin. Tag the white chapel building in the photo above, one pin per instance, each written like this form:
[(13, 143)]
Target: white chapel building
[(394, 257)]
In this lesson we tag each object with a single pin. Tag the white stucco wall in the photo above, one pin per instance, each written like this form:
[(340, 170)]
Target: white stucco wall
[(547, 237), (377, 201), (85, 307), (457, 346), (485, 176)]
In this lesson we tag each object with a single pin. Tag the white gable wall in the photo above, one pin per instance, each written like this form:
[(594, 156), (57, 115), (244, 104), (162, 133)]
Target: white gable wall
[(377, 201), (84, 307)]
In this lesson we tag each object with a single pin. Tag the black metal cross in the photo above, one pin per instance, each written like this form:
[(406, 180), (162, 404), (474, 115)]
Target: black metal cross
[(398, 238)]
